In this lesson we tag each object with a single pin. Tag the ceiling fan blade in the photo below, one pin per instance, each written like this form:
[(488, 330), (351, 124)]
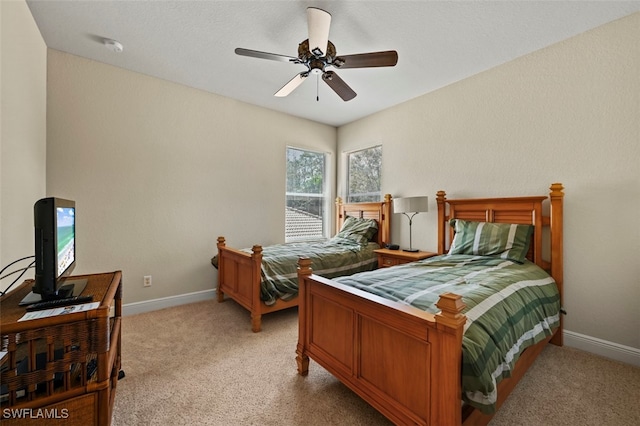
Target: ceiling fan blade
[(387, 58), (339, 86), (291, 85), (319, 22), (264, 55)]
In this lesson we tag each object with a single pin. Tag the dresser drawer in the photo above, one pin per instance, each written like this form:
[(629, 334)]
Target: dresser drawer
[(385, 262)]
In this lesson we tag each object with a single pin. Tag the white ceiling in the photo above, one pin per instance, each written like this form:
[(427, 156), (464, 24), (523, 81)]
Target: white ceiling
[(193, 42)]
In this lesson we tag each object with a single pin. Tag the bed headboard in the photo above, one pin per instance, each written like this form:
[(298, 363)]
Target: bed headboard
[(521, 210), (380, 211)]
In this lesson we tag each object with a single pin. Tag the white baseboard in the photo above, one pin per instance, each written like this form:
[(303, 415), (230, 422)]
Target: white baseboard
[(604, 348), (166, 302)]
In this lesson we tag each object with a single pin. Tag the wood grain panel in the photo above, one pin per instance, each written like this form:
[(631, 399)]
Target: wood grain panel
[(386, 366), (335, 337), (513, 216)]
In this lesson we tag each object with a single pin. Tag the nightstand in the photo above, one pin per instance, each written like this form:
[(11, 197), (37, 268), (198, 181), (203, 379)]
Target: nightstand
[(387, 258)]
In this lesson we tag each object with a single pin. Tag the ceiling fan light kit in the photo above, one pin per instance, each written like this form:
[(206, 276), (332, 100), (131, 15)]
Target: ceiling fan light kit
[(317, 53)]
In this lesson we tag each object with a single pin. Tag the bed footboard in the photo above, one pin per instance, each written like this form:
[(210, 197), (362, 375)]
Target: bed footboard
[(239, 277), (403, 361)]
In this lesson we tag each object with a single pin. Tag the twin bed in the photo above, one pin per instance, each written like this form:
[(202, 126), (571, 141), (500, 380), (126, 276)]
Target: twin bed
[(443, 341), (264, 279)]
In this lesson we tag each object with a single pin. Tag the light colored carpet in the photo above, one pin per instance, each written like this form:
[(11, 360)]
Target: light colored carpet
[(200, 364)]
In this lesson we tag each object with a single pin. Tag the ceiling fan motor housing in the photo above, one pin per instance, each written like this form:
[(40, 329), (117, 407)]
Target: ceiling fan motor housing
[(313, 61)]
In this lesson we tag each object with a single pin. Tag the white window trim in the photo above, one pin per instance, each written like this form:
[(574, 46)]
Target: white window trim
[(345, 171), (328, 192)]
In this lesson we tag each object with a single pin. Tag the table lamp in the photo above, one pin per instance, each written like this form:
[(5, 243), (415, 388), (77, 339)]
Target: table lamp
[(410, 206)]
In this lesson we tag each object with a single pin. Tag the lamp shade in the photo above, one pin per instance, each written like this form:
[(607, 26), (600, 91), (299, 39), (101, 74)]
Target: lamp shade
[(411, 205)]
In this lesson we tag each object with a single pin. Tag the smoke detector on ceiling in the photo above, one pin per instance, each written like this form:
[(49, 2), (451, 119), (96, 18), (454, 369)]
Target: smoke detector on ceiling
[(113, 45)]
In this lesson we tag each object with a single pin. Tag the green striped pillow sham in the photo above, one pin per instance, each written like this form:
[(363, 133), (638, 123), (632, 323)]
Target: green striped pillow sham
[(359, 230), (504, 240)]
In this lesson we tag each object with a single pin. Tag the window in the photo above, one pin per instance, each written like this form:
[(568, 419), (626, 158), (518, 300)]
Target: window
[(305, 195), (364, 170)]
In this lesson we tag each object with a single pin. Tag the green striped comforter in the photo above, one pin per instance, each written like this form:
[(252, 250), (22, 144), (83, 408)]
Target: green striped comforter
[(331, 258), (510, 307)]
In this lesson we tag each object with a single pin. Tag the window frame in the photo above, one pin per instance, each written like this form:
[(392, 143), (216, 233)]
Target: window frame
[(325, 195), (350, 197)]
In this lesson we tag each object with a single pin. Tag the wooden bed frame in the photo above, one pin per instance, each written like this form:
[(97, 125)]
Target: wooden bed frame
[(403, 361), (239, 272)]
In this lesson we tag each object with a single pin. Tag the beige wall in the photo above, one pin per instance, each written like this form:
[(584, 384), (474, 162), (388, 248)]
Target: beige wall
[(568, 113), (159, 170), (22, 131)]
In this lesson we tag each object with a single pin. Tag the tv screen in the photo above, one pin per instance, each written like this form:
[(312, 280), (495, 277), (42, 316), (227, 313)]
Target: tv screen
[(55, 242), (66, 238)]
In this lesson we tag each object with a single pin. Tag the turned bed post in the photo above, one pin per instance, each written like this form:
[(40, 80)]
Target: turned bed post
[(304, 270), (385, 232), (557, 268), (219, 293), (441, 198), (447, 360), (338, 214), (256, 307)]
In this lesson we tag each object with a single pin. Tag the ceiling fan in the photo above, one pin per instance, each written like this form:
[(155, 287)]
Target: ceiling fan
[(317, 53)]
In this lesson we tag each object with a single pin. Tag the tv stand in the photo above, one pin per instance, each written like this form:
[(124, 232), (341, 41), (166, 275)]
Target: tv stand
[(70, 288), (65, 365)]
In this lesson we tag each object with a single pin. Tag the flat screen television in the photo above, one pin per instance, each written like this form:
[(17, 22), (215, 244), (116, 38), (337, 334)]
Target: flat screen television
[(55, 250)]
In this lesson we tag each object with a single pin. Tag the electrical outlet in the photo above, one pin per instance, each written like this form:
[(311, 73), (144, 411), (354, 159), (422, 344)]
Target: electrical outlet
[(147, 281)]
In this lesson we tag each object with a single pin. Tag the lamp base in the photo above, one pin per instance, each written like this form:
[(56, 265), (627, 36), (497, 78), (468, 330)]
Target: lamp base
[(410, 250)]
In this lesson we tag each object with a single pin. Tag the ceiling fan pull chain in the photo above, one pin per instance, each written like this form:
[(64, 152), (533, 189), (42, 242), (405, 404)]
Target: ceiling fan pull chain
[(317, 87)]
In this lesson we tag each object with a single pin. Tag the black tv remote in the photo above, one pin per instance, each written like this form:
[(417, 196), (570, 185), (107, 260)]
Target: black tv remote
[(57, 303)]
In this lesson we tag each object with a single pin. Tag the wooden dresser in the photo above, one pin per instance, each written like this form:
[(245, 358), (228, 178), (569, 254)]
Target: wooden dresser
[(62, 369)]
